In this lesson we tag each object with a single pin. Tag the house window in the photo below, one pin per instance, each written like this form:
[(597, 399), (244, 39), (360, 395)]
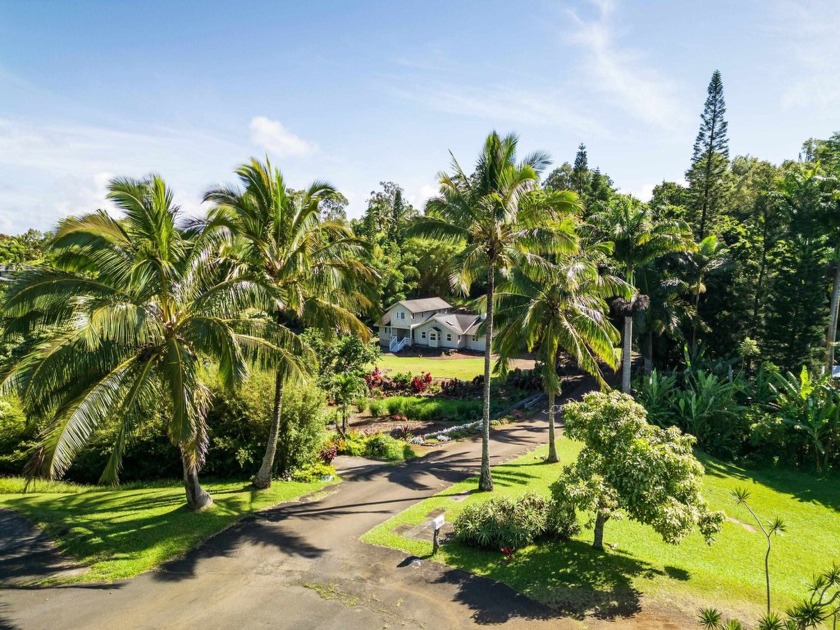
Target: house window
[(448, 337), (423, 335), (475, 338), (400, 315)]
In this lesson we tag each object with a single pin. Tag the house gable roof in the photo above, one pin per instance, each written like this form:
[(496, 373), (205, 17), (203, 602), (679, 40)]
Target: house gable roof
[(424, 304), (459, 323)]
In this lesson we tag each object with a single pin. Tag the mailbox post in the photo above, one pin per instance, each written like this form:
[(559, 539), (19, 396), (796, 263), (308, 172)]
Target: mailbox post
[(437, 525)]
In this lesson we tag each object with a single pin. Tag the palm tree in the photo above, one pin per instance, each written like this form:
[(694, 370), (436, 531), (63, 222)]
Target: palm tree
[(128, 310), (637, 241), (492, 214), (711, 255), (314, 268), (558, 306)]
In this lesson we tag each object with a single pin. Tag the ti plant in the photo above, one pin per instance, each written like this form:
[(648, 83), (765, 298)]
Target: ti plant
[(769, 529), (823, 603)]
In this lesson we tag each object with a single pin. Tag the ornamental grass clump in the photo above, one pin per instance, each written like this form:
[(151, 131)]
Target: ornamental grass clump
[(503, 522)]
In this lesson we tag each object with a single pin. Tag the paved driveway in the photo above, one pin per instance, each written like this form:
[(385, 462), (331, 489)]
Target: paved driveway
[(301, 565)]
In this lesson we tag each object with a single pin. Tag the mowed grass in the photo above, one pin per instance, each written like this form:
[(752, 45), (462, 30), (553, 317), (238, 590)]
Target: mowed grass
[(575, 579), (464, 369), (122, 532)]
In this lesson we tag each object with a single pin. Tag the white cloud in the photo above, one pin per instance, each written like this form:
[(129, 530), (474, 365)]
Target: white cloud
[(503, 104), (644, 192), (423, 194), (273, 136), (48, 171), (808, 34), (623, 72)]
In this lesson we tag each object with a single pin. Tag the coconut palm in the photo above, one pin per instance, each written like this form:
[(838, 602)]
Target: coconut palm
[(557, 307), (637, 241), (492, 214), (315, 269), (128, 309)]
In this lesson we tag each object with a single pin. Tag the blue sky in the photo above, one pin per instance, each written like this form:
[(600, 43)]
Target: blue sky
[(359, 92)]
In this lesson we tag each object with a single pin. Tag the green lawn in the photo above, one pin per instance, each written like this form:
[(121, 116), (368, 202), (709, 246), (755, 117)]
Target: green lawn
[(573, 578), (464, 369), (121, 532)]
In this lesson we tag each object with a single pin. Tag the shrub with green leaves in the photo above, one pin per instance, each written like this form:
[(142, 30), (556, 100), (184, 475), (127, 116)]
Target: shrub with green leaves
[(504, 522), (376, 407)]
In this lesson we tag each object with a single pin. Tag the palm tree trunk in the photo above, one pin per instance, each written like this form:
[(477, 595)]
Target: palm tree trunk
[(552, 446), (832, 321), (696, 316), (485, 481), (625, 354), (761, 271), (598, 543), (198, 499), (263, 477), (649, 354)]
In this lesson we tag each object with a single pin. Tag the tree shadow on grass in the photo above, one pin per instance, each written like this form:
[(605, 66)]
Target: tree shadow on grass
[(572, 578), (804, 486)]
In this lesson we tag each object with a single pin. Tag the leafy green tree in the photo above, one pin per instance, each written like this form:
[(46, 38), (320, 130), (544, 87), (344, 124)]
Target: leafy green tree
[(554, 307), (637, 241), (489, 212), (315, 269), (345, 388), (17, 250), (797, 306), (710, 158), (627, 465), (334, 208), (130, 308)]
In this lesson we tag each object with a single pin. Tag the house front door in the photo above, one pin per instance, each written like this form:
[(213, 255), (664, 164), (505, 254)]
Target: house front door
[(433, 339)]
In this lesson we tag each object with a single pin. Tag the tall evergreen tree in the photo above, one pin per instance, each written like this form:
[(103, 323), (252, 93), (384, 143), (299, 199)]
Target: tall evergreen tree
[(711, 157), (580, 172)]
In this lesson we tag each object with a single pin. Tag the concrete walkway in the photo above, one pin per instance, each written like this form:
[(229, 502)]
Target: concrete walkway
[(301, 565)]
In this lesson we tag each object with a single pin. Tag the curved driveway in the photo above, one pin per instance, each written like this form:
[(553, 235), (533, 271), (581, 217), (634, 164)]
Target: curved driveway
[(301, 565)]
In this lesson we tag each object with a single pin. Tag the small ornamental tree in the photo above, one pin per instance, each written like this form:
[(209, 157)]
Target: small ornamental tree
[(628, 466)]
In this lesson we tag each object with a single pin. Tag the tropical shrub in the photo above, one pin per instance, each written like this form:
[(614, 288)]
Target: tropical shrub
[(314, 471), (809, 410), (16, 438), (503, 522), (700, 402), (376, 407), (376, 446), (239, 424)]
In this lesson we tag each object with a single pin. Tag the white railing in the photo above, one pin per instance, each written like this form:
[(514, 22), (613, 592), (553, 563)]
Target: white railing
[(398, 344)]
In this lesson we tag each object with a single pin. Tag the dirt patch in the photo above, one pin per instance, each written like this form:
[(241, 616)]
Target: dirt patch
[(747, 526), (370, 426)]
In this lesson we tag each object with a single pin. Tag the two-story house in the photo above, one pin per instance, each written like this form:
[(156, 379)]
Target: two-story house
[(431, 323)]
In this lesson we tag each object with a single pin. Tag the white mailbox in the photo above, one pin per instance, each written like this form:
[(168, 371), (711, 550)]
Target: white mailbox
[(437, 522)]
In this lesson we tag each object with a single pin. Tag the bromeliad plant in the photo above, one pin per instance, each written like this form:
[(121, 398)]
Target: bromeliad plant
[(128, 310)]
